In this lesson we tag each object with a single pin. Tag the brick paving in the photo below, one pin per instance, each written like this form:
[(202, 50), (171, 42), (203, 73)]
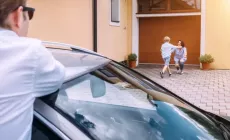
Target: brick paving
[(209, 90)]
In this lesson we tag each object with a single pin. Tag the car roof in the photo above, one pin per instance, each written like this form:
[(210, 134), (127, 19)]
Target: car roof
[(64, 46), (77, 61)]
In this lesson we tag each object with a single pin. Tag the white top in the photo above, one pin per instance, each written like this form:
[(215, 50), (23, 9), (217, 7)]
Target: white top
[(27, 70), (167, 49), (180, 53)]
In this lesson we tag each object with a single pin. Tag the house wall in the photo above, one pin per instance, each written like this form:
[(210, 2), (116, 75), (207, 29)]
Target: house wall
[(114, 41), (129, 26), (67, 21), (70, 21), (218, 32)]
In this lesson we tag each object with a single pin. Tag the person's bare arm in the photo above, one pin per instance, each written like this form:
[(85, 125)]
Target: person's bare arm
[(49, 73), (174, 47), (185, 53)]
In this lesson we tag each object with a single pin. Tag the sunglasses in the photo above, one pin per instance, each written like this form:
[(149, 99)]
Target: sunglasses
[(29, 10)]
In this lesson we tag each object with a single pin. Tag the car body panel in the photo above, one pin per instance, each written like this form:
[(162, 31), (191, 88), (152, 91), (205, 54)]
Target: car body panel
[(227, 118), (58, 121)]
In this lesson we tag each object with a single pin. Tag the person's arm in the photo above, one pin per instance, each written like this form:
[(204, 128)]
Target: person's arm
[(173, 48), (185, 52), (49, 73)]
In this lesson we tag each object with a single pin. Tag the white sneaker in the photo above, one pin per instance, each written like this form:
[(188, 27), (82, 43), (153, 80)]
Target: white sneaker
[(182, 72), (177, 71)]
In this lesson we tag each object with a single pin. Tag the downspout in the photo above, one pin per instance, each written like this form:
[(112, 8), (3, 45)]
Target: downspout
[(95, 25)]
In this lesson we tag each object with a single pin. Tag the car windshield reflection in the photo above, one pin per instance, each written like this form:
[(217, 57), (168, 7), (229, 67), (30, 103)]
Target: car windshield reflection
[(110, 104)]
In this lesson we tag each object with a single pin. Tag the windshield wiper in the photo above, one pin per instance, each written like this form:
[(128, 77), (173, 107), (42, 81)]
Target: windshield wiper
[(225, 131)]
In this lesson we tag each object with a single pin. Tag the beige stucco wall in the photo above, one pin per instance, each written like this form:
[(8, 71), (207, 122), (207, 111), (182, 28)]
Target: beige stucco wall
[(68, 21), (129, 26), (113, 41), (218, 32)]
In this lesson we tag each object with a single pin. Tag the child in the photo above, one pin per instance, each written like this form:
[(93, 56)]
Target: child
[(166, 51)]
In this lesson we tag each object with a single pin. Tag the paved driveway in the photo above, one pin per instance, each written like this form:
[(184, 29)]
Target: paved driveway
[(209, 90)]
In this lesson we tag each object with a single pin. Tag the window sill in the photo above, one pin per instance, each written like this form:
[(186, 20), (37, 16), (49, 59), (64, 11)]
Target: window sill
[(117, 24)]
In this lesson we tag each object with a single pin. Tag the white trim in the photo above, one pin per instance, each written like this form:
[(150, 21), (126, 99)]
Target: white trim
[(110, 12), (135, 25), (135, 30), (168, 15), (115, 24), (203, 27)]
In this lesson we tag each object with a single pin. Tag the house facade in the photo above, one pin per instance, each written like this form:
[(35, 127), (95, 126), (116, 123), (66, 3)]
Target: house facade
[(116, 28)]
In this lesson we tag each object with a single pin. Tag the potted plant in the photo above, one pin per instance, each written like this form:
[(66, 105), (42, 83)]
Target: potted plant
[(206, 60), (132, 59)]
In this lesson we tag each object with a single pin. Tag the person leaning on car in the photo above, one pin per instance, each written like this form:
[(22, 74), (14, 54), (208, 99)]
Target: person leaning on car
[(27, 70)]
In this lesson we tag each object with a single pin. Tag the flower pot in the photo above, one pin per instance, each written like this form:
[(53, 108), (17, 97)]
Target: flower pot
[(205, 66), (132, 64)]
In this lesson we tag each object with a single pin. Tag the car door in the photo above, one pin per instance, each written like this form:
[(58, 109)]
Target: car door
[(41, 132)]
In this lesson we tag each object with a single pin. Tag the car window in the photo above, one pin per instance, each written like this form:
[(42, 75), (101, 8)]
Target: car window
[(111, 95), (143, 81), (110, 104), (42, 132)]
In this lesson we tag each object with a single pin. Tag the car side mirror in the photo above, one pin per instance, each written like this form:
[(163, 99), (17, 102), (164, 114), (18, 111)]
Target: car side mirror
[(97, 87)]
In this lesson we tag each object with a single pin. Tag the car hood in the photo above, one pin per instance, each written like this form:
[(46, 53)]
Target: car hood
[(165, 122)]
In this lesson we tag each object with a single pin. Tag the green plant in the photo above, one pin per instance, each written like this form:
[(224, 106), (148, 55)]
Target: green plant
[(207, 58), (132, 57)]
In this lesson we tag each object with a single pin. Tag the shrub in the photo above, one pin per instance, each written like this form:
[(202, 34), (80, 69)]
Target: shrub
[(207, 58), (132, 57)]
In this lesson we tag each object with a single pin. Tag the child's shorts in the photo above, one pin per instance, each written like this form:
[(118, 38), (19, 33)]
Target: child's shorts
[(167, 61)]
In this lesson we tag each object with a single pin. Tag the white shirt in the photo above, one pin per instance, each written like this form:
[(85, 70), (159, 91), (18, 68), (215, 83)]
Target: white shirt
[(167, 49), (27, 70), (180, 53)]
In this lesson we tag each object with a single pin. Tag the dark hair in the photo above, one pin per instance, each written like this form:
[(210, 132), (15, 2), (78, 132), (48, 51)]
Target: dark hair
[(6, 7), (182, 43)]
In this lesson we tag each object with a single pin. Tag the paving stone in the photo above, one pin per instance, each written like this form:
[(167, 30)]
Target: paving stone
[(209, 90)]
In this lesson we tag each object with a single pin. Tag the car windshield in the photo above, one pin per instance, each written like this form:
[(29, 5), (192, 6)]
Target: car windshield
[(109, 102)]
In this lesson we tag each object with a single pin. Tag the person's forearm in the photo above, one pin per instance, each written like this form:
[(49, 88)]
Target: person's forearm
[(185, 54)]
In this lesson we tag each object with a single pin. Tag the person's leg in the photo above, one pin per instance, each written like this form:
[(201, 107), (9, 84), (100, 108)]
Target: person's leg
[(167, 63), (176, 62), (166, 60), (182, 65), (169, 71), (163, 71), (177, 65), (165, 68)]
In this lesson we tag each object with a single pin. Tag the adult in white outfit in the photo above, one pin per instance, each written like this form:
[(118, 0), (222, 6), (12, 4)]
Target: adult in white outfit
[(27, 70)]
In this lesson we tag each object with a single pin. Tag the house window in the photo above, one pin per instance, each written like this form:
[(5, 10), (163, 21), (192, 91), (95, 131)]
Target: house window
[(185, 4), (168, 6), (115, 12)]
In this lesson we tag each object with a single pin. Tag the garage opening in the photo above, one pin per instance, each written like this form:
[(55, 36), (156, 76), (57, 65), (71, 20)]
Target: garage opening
[(169, 18), (152, 30)]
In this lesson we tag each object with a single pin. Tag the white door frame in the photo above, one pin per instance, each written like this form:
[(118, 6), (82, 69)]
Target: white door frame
[(135, 25)]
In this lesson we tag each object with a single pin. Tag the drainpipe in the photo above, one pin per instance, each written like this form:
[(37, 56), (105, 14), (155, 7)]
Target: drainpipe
[(95, 25)]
